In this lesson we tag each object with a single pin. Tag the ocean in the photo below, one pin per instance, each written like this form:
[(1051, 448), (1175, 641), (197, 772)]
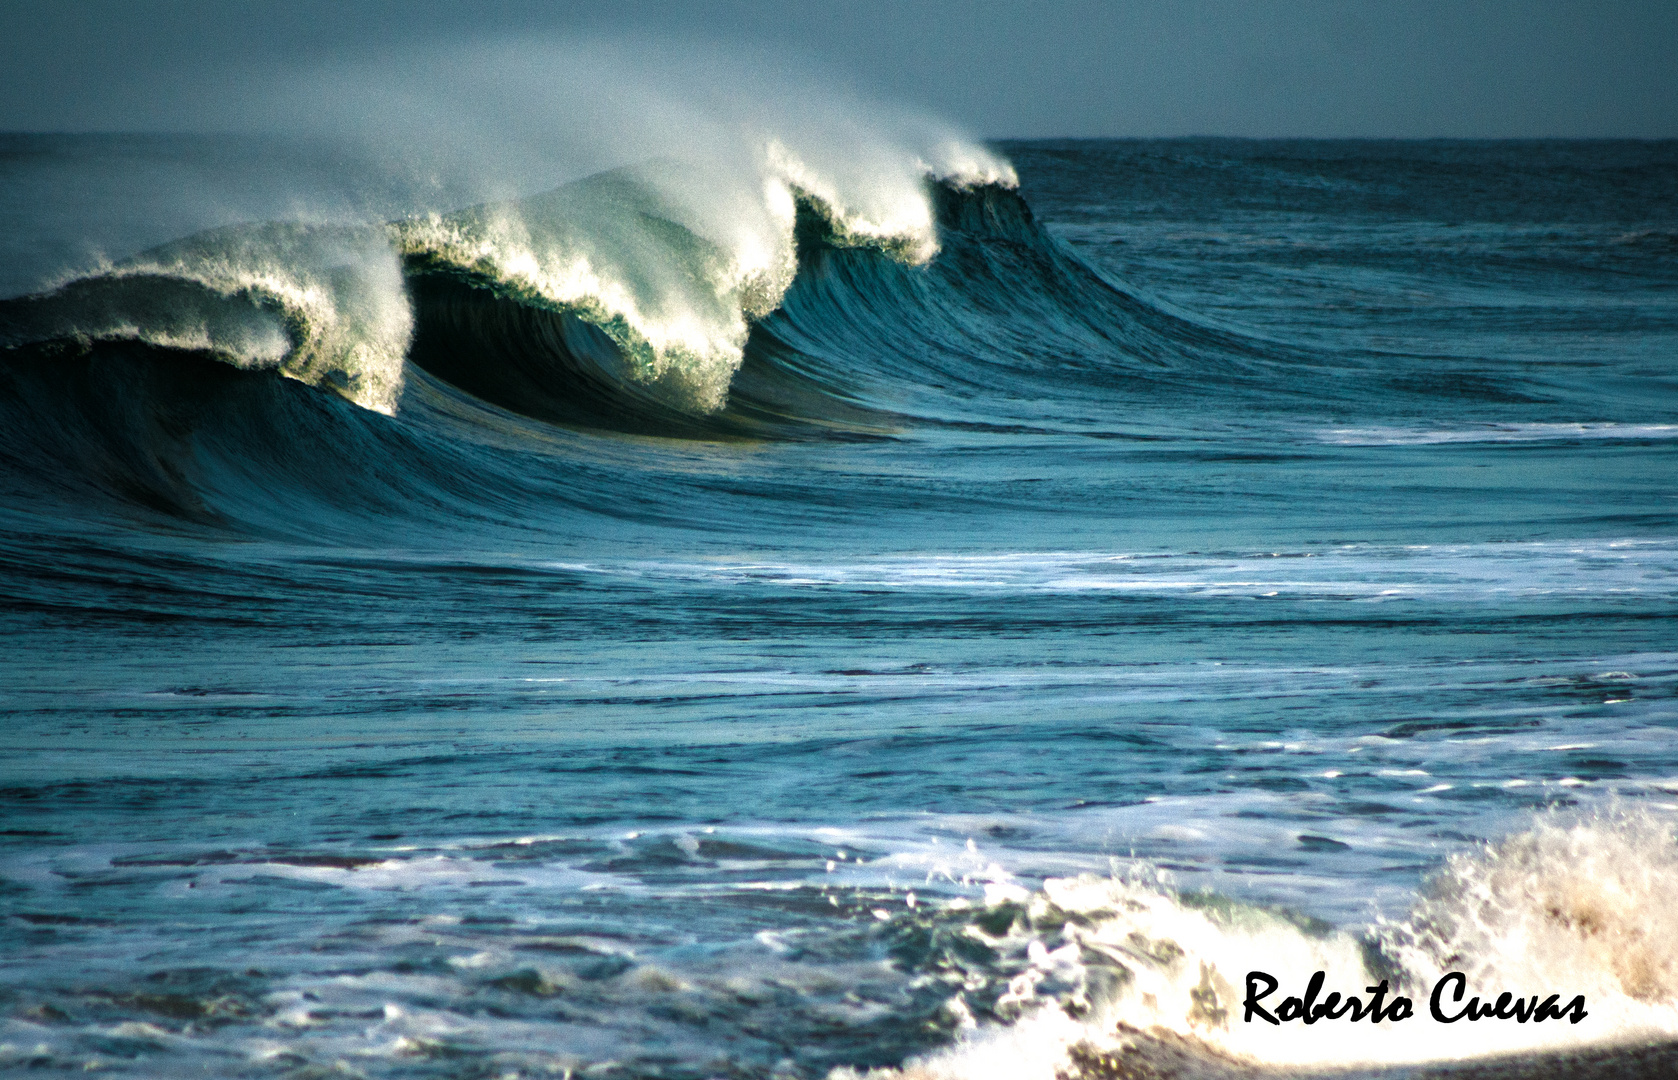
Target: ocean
[(838, 609)]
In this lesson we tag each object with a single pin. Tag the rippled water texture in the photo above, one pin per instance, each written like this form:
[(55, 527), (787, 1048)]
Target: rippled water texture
[(951, 625)]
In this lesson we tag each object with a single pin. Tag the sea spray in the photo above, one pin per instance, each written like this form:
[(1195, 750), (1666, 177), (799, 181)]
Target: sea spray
[(684, 233), (1578, 912), (683, 237), (1588, 902)]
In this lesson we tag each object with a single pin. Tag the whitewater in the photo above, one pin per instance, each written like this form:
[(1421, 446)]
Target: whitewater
[(784, 589)]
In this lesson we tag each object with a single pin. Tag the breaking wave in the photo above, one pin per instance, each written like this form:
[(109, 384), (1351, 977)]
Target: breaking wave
[(667, 289), (662, 299), (1127, 977), (642, 283), (320, 304)]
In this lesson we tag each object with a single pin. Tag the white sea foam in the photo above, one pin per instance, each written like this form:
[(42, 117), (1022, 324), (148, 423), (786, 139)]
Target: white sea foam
[(1584, 906), (1581, 905), (1494, 433), (1367, 572)]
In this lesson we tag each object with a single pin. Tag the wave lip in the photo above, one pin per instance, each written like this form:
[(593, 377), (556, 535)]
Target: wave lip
[(607, 252)]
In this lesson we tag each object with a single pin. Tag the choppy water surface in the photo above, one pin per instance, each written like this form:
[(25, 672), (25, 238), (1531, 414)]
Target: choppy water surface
[(952, 617)]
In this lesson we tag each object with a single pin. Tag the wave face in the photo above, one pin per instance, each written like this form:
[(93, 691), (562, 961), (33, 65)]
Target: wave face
[(597, 306), (847, 320), (814, 602)]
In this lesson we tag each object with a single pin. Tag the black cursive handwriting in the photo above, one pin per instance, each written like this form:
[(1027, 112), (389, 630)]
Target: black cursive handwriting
[(1508, 1006), (1312, 1006)]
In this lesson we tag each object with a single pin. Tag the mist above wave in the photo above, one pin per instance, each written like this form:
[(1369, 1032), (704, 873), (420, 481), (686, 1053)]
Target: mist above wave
[(671, 258), (674, 256)]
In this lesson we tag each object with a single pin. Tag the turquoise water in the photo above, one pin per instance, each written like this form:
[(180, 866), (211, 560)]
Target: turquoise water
[(1250, 526)]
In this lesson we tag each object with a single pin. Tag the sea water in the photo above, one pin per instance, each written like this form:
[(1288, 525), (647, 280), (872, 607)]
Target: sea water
[(955, 615)]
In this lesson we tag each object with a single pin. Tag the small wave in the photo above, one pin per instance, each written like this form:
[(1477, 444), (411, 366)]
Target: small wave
[(1130, 978), (1656, 239), (323, 305)]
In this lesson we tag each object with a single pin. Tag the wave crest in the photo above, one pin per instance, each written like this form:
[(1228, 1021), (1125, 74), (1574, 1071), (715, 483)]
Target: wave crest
[(323, 305), (609, 251), (672, 263)]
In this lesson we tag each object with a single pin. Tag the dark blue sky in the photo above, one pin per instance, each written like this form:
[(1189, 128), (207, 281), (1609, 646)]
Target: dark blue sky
[(1059, 67)]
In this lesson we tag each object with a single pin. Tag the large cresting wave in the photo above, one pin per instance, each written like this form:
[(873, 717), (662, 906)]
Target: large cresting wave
[(639, 285), (814, 273), (628, 298)]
